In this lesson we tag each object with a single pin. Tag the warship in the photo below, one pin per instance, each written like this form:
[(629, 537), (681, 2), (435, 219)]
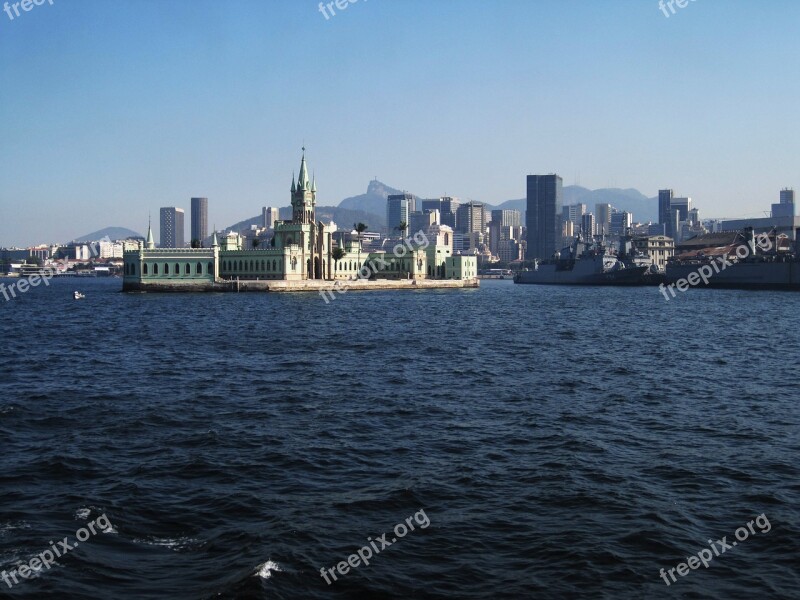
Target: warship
[(593, 263), (763, 262)]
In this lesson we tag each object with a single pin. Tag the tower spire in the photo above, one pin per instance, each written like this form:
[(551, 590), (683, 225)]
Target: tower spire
[(150, 244)]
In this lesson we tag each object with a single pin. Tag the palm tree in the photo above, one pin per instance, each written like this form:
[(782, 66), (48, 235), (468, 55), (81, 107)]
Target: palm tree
[(402, 228), (360, 228), (256, 242), (337, 255)]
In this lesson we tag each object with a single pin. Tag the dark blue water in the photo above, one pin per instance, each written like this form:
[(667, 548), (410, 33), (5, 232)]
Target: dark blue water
[(562, 442)]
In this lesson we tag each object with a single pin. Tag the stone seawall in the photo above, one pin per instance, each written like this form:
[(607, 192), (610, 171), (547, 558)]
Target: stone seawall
[(313, 285)]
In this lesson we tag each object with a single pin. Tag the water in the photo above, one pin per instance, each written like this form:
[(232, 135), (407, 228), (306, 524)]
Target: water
[(562, 442)]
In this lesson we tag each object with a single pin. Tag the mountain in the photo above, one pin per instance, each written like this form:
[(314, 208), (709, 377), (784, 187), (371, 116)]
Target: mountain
[(643, 208), (343, 217), (374, 201), (113, 233)]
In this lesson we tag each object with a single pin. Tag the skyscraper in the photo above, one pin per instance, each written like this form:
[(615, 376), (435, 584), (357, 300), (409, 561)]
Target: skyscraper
[(602, 214), (665, 213), (172, 227), (447, 208), (199, 220), (507, 217), (398, 210), (270, 215), (471, 217), (543, 216)]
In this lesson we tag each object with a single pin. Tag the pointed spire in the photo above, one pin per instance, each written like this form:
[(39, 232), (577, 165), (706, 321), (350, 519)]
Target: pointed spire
[(150, 242), (302, 179), (314, 183), (294, 187), (214, 240)]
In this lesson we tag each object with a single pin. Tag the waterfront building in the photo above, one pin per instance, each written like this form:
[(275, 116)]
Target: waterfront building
[(658, 247), (199, 221), (301, 249), (543, 217), (172, 227)]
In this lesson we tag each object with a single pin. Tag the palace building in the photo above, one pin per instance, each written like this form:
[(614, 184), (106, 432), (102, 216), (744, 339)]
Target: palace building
[(302, 249)]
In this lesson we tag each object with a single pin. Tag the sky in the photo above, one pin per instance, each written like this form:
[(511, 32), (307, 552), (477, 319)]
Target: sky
[(110, 110)]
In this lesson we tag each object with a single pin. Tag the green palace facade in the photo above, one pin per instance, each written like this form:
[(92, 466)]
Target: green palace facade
[(301, 251)]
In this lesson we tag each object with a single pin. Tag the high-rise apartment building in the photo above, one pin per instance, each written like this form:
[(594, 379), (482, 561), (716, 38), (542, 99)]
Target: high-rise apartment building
[(172, 227), (543, 216), (574, 213), (587, 226), (199, 220)]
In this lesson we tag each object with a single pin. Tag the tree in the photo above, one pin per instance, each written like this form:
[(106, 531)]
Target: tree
[(196, 243), (402, 228), (360, 228), (337, 254), (256, 242)]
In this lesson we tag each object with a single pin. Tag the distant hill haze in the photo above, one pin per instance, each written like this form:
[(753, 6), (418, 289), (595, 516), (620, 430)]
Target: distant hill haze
[(113, 233)]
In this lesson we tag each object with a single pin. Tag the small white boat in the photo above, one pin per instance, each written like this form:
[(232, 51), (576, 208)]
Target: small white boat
[(78, 295)]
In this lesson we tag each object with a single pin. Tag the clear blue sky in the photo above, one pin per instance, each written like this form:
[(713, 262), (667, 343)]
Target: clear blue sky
[(112, 109)]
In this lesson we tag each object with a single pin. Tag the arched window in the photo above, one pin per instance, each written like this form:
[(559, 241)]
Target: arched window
[(240, 266), (210, 269), (252, 267), (446, 239), (263, 266), (274, 265), (199, 269), (166, 269), (155, 269), (188, 269), (177, 270), (144, 269)]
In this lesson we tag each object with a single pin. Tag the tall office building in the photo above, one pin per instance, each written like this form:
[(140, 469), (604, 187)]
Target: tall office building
[(587, 225), (543, 216), (681, 206), (786, 206), (471, 217), (507, 217), (199, 220), (398, 210), (602, 216), (665, 212), (621, 222), (421, 221), (447, 207), (574, 213), (270, 215), (172, 227)]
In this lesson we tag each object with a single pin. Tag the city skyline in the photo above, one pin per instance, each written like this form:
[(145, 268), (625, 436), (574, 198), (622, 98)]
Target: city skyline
[(99, 130)]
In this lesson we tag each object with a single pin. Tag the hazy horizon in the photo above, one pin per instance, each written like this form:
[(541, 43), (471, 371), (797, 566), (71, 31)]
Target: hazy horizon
[(111, 111)]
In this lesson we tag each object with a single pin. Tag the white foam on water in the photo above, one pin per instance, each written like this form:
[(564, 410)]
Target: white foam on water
[(265, 570), (82, 513)]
